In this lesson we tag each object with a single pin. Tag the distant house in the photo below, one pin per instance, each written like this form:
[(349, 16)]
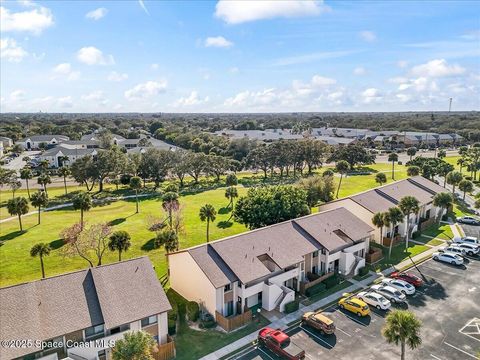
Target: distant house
[(268, 266), (6, 142), (267, 135), (366, 204), (33, 142), (65, 154), (95, 137), (93, 307)]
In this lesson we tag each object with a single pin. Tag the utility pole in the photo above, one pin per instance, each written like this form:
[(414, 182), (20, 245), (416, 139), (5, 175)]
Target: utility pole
[(450, 105)]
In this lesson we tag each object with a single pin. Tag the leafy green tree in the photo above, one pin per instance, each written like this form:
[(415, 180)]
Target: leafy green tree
[(196, 165), (380, 178), (413, 170), (393, 158), (328, 172), (392, 217), (270, 205), (441, 154), (353, 154), (85, 172), (208, 213), (168, 239), (119, 241), (461, 163), (402, 327), (216, 166), (411, 151), (109, 162), (15, 185), (231, 193), (454, 178), (443, 169), (64, 171), (136, 184), (409, 205), (443, 201), (465, 186), (378, 220), (39, 200), (18, 206), (7, 176), (44, 180), (318, 188), (40, 250), (83, 202), (135, 345), (231, 180), (170, 203), (341, 167), (26, 174)]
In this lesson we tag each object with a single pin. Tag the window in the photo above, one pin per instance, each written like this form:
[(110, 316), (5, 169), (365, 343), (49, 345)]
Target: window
[(149, 320), (315, 254), (94, 332), (227, 287), (324, 251)]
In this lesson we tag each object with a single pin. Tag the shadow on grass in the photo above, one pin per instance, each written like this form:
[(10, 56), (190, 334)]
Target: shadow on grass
[(224, 224), (12, 235), (224, 210), (116, 221), (149, 245), (56, 244)]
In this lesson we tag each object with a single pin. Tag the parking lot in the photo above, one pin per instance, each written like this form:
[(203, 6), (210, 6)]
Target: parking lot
[(448, 306), (471, 230)]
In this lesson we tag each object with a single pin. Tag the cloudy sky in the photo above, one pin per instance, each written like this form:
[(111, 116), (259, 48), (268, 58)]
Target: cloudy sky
[(229, 56)]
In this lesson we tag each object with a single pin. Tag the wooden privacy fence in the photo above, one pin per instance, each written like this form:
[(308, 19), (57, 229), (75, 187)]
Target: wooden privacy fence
[(375, 254), (233, 322), (165, 351), (305, 285)]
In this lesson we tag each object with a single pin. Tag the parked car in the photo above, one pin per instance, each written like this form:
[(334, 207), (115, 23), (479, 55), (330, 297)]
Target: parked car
[(467, 239), (319, 322), (408, 277), (280, 344), (374, 299), (470, 220), (453, 248), (469, 249), (392, 294), (448, 257), (354, 305), (401, 285)]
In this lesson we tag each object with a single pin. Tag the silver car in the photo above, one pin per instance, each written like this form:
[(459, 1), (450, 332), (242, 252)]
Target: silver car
[(392, 294)]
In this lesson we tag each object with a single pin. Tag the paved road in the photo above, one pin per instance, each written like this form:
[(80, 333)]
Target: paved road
[(17, 163)]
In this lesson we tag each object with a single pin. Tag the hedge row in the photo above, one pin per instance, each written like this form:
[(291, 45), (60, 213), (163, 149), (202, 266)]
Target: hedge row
[(193, 311), (291, 307), (315, 289)]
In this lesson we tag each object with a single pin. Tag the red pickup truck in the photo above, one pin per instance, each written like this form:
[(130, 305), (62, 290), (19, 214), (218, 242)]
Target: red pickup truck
[(279, 343)]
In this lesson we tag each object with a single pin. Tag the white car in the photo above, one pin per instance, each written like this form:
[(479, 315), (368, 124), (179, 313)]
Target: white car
[(453, 248), (468, 240), (401, 285), (469, 249), (375, 299), (448, 257), (390, 293), (468, 220)]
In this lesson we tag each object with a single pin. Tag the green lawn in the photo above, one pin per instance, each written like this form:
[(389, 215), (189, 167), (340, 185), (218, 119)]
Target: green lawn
[(324, 294), (399, 254), (428, 241), (442, 232)]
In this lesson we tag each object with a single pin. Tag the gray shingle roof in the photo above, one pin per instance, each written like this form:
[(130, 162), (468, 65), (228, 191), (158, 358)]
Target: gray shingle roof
[(113, 294), (46, 138), (67, 151)]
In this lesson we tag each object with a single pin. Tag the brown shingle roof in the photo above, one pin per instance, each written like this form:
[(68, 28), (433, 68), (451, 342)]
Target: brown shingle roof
[(113, 294)]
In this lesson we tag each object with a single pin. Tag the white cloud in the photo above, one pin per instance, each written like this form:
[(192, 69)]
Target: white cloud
[(65, 102), (218, 41), (234, 70), (90, 55), (115, 76), (34, 21), (359, 71), (65, 69), (144, 8), (368, 36), (96, 14), (10, 51), (97, 97), (239, 11), (191, 100), (371, 95), (154, 66), (437, 68), (307, 58), (420, 84), (146, 90), (17, 95), (402, 64)]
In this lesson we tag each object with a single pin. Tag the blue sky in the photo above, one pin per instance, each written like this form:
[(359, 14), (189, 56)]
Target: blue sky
[(234, 56)]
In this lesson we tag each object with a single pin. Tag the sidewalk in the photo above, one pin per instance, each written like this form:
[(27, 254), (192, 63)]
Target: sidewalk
[(283, 322)]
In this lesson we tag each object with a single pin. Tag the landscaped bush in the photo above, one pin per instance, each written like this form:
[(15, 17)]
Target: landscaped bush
[(193, 311), (291, 307), (363, 271), (416, 234), (399, 163), (207, 322), (172, 327), (332, 281), (172, 319), (315, 289)]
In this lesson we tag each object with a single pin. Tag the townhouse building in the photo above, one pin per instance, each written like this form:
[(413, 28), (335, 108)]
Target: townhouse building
[(34, 142)]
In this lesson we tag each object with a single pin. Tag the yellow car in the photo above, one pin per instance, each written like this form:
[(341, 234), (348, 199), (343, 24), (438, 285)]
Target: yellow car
[(354, 305)]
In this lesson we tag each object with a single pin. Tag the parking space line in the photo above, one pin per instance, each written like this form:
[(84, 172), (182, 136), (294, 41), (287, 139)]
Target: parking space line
[(443, 271), (463, 351), (344, 332), (263, 351), (351, 318), (316, 337), (435, 357)]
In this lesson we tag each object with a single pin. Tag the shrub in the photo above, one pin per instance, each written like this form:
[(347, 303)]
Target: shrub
[(207, 323), (363, 271), (315, 289), (172, 327), (125, 179), (193, 311), (332, 281), (468, 178), (399, 163), (291, 307), (416, 234)]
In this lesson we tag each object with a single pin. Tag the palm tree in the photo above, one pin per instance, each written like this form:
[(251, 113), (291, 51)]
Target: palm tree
[(64, 171), (136, 184), (402, 327), (231, 193), (454, 178), (392, 217), (120, 241), (83, 202), (413, 171), (378, 220), (135, 345), (15, 185), (18, 206), (409, 205), (442, 200), (40, 250), (380, 178), (231, 180), (393, 157), (461, 163), (43, 180), (26, 174), (39, 200), (465, 186), (441, 154), (168, 239), (207, 213), (342, 167), (170, 203), (411, 151)]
